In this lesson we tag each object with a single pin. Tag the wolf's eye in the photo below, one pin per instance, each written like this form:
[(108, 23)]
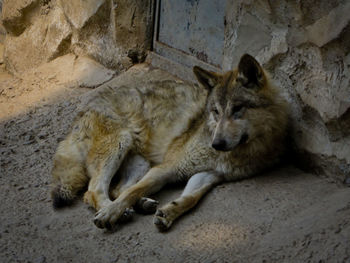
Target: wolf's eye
[(215, 110), (237, 112), (236, 109)]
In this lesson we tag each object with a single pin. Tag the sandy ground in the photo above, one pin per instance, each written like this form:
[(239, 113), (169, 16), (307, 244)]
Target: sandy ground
[(284, 215)]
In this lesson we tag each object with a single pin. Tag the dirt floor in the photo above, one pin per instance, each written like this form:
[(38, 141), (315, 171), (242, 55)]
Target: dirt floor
[(284, 215)]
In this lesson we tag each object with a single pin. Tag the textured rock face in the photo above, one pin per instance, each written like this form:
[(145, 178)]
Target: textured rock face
[(130, 23), (114, 33), (44, 40), (306, 48), (72, 71), (15, 14), (79, 11)]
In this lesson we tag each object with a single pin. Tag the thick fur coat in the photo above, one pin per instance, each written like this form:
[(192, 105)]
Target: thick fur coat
[(230, 127)]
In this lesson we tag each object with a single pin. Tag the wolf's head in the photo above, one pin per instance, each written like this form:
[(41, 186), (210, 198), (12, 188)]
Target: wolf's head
[(241, 105)]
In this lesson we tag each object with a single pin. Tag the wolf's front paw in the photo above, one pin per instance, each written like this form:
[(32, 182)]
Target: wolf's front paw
[(162, 220), (126, 216), (107, 216)]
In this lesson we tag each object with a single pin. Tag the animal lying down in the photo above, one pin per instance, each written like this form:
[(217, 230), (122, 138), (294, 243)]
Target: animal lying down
[(230, 127)]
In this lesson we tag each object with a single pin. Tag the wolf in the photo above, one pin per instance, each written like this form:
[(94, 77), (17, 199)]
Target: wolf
[(229, 127)]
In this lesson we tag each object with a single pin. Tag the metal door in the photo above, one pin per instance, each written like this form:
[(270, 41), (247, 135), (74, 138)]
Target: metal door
[(191, 30)]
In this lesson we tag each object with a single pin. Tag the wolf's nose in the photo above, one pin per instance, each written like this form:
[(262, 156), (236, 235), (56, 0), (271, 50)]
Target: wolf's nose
[(219, 145)]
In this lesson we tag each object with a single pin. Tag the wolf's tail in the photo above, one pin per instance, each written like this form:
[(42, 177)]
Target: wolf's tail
[(61, 196), (68, 173), (69, 178)]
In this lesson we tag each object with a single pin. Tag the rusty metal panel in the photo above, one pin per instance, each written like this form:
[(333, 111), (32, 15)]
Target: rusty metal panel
[(194, 27)]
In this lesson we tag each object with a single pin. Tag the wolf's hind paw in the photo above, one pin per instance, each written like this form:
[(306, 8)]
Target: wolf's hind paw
[(126, 216), (108, 216), (161, 222)]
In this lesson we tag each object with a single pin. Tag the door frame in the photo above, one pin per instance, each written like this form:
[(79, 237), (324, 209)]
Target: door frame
[(171, 59)]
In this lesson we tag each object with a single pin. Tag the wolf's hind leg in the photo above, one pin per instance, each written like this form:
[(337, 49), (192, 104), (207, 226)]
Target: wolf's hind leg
[(68, 172), (197, 186), (104, 159), (132, 170)]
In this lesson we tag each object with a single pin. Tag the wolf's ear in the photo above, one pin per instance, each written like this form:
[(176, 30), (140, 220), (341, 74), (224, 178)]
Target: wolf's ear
[(250, 72), (208, 79)]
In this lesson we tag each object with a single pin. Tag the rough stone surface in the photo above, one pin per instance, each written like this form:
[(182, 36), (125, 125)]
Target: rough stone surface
[(329, 26), (71, 70), (133, 28), (2, 33), (48, 82), (117, 34), (16, 14), (2, 28), (42, 41), (88, 73), (1, 53), (96, 39), (79, 11)]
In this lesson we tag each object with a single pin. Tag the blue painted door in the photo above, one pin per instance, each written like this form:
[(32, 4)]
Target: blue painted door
[(194, 27)]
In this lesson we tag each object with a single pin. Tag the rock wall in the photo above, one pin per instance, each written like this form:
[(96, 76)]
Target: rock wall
[(116, 33), (305, 45)]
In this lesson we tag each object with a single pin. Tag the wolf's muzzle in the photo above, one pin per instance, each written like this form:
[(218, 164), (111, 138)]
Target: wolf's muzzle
[(220, 145)]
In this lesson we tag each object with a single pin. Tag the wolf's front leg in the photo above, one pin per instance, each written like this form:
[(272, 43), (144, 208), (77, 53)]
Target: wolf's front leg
[(151, 183), (197, 186)]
